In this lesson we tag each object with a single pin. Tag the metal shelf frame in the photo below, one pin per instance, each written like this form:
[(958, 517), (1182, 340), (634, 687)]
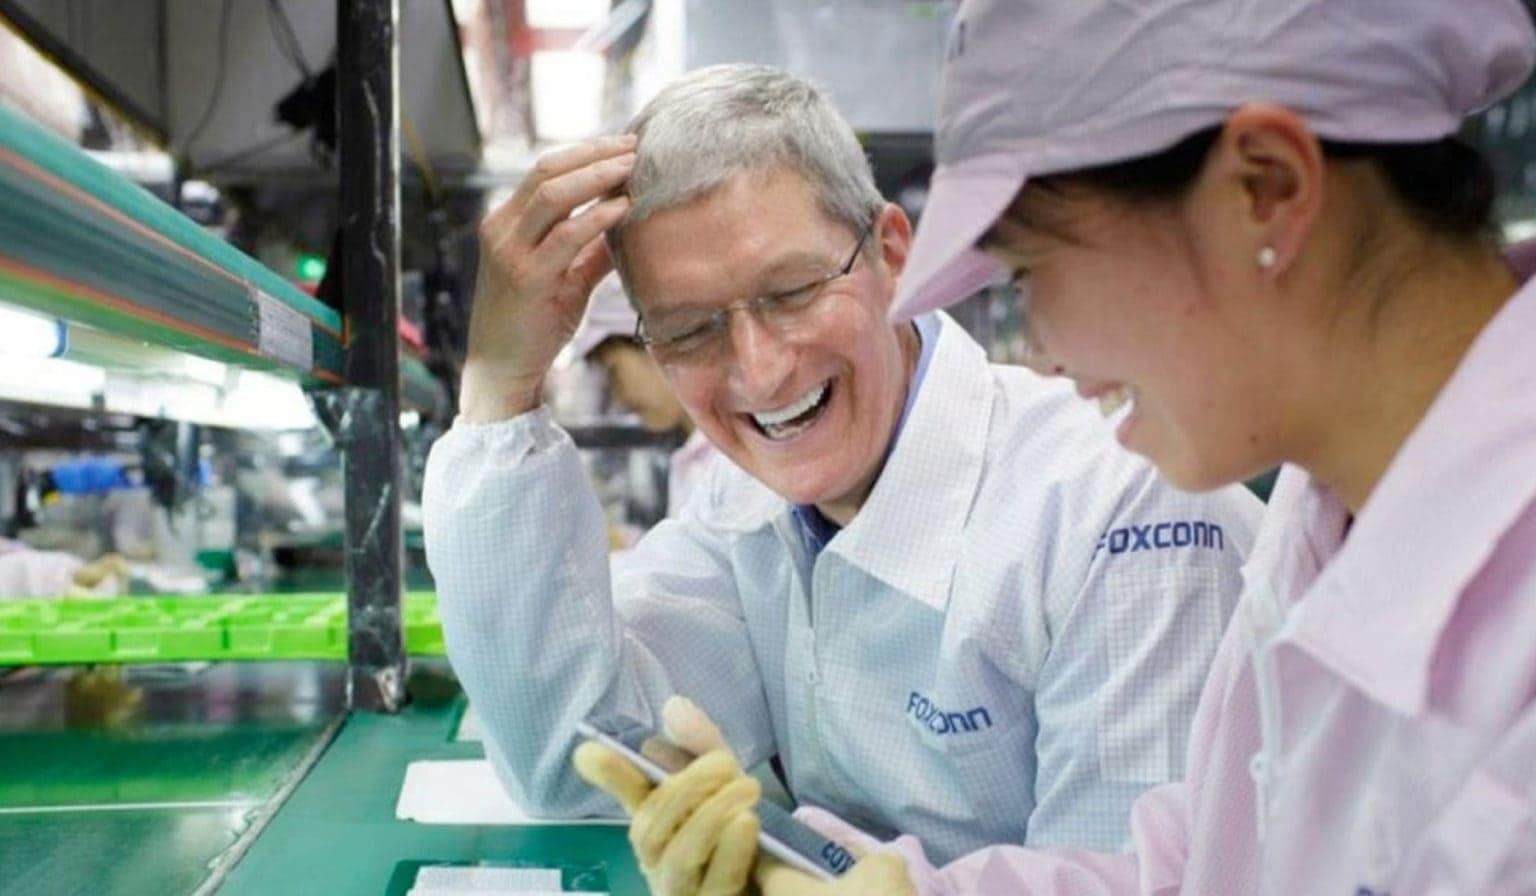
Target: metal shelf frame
[(82, 243)]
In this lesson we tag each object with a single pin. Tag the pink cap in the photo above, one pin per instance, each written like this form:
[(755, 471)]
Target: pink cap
[(609, 314), (1037, 87)]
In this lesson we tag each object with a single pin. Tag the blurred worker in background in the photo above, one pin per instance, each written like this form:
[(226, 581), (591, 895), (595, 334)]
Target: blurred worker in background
[(1255, 222), (28, 572), (606, 338), (931, 588)]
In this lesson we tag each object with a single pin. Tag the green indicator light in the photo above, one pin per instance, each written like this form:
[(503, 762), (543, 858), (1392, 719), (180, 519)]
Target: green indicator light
[(311, 268)]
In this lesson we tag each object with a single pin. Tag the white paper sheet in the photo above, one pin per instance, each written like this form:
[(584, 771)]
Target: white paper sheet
[(485, 880), (469, 726), (465, 791), (460, 891), (487, 877)]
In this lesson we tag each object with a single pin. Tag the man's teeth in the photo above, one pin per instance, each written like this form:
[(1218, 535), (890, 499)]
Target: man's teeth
[(790, 411), (1114, 400)]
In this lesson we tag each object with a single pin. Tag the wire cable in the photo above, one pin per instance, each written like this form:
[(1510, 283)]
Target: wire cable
[(221, 64), (250, 151), (287, 39)]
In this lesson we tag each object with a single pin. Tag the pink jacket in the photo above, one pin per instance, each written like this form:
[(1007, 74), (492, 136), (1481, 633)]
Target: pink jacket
[(1369, 724)]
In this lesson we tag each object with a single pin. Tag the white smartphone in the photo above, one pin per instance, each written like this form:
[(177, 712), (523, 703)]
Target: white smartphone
[(780, 835)]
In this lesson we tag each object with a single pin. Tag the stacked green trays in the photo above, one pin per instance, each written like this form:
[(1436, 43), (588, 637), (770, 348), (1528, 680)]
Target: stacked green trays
[(173, 629)]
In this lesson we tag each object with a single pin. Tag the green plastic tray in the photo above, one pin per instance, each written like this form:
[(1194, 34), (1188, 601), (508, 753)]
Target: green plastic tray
[(166, 629)]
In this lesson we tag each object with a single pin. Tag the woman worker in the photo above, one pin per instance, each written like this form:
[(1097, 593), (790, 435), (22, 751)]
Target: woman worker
[(1252, 223), (606, 336)]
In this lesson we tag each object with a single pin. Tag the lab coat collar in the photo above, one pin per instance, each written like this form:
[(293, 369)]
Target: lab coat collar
[(908, 532), (695, 449), (1377, 613)]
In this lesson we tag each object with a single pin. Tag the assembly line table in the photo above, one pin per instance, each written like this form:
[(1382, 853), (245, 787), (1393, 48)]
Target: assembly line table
[(244, 778)]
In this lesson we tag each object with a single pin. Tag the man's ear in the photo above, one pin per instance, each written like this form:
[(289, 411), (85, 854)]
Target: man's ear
[(1276, 163), (893, 232)]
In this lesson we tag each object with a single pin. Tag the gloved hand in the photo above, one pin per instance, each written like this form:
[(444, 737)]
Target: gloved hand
[(696, 833), (877, 874), (105, 576), (874, 874)]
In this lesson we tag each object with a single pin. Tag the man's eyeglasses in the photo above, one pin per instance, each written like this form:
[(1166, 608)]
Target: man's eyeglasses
[(690, 337)]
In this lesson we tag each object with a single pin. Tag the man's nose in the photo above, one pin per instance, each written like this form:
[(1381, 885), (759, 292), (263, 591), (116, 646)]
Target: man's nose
[(762, 358)]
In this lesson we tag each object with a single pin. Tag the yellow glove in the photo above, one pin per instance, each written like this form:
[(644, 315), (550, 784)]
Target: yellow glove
[(696, 833), (877, 874), (106, 576), (98, 697)]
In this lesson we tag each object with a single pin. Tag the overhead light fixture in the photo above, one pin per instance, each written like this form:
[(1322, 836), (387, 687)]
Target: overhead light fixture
[(661, 56), (51, 381), (1519, 231), (263, 401), (104, 371), (252, 399), (565, 13), (567, 93), (202, 370), (27, 335), (114, 352), (467, 11)]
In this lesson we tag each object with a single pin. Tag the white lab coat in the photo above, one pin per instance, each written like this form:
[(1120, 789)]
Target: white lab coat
[(25, 572), (1005, 645), (687, 467)]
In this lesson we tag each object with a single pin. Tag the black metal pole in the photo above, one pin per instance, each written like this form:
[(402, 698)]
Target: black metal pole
[(369, 428)]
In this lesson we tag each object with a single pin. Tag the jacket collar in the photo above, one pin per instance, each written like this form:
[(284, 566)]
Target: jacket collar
[(1377, 613), (908, 532)]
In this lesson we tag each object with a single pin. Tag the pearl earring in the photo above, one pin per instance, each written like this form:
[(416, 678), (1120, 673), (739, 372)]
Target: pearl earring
[(1267, 257)]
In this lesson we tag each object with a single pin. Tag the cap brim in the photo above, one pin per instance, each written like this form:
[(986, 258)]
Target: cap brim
[(945, 266)]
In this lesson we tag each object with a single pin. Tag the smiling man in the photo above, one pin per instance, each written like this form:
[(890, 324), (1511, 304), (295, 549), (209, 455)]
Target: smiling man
[(931, 588)]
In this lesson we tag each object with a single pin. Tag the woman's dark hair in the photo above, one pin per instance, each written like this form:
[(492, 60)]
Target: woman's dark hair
[(1446, 184)]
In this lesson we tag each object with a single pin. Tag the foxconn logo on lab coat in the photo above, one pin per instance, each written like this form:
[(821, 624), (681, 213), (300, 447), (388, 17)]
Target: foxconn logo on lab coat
[(1162, 536), (940, 721)]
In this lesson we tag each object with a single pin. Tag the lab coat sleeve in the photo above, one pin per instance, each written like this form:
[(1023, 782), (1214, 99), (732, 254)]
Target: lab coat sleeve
[(542, 634), (1118, 688), (1151, 868), (28, 573), (1479, 843), (1484, 840)]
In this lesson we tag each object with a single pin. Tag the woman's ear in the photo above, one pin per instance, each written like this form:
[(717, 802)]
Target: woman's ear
[(1275, 162)]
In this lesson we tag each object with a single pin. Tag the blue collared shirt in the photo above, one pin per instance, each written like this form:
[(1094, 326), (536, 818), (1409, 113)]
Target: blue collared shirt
[(815, 528)]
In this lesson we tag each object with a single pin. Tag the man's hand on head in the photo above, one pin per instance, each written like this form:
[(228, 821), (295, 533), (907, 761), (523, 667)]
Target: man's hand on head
[(538, 264)]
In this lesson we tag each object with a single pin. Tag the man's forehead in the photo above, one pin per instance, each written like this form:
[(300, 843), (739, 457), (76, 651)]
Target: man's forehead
[(682, 282), (709, 251)]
